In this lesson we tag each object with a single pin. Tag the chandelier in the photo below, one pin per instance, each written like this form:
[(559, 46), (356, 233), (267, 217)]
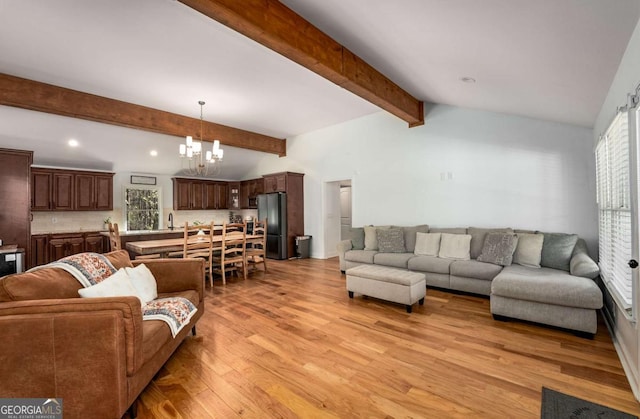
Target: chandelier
[(194, 161)]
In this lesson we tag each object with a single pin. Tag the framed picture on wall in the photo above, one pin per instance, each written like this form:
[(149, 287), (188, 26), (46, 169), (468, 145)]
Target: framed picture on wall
[(143, 180)]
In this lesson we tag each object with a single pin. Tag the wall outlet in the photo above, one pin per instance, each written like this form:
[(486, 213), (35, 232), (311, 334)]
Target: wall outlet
[(54, 220)]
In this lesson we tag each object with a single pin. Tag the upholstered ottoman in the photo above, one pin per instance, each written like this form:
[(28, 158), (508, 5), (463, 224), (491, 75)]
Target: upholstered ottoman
[(396, 285)]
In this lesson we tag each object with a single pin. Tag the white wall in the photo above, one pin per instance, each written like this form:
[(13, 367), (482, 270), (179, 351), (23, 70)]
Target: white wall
[(505, 171), (625, 333)]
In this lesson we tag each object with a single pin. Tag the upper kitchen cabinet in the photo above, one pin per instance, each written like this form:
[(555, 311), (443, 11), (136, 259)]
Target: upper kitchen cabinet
[(276, 182), (94, 192), (70, 190), (195, 194)]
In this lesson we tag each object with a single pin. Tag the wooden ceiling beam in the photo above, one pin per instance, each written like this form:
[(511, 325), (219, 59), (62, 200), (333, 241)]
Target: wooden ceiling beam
[(279, 28), (42, 97)]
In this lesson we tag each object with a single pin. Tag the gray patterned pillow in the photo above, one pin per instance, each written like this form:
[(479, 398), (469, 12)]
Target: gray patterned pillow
[(498, 248), (391, 240)]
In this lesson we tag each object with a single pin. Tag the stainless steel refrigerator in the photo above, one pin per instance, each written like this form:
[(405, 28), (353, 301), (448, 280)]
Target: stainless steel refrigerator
[(273, 207)]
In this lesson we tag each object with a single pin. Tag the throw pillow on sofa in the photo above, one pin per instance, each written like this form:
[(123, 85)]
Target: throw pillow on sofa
[(391, 240), (144, 282), (557, 250), (117, 285), (356, 235), (427, 244), (498, 248), (371, 237), (479, 234), (410, 235), (529, 250), (455, 246)]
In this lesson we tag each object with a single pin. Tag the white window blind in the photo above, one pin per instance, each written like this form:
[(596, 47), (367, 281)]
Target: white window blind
[(614, 210)]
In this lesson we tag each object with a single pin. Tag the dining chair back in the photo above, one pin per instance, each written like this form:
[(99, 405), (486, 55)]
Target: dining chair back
[(256, 253), (114, 237), (116, 244), (232, 255), (198, 243)]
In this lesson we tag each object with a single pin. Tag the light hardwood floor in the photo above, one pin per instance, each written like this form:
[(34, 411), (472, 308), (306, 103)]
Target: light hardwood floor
[(290, 343)]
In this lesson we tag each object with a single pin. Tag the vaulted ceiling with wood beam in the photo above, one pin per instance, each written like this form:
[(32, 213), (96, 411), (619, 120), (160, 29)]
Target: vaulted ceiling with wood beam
[(270, 70)]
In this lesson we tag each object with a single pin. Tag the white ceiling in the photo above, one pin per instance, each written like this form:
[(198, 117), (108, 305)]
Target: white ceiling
[(547, 59)]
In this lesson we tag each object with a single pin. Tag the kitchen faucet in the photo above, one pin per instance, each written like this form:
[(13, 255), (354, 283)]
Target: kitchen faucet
[(170, 221)]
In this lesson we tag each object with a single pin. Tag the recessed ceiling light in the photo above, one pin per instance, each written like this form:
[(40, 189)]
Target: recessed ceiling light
[(73, 143), (153, 153), (467, 79)]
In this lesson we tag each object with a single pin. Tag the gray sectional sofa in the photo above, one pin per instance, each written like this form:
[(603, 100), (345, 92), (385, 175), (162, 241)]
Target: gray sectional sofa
[(559, 290)]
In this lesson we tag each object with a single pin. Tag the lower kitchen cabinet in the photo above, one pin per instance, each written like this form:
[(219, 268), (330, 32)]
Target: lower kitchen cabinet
[(47, 248)]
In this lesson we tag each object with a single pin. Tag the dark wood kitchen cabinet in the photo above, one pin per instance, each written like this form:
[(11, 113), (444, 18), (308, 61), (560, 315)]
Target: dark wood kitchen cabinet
[(70, 190), (276, 182), (94, 242), (194, 194), (94, 192), (63, 245), (51, 247), (15, 217), (249, 191), (39, 250)]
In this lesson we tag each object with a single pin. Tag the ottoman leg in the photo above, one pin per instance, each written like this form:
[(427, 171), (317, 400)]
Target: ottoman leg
[(350, 294), (421, 301), (408, 308)]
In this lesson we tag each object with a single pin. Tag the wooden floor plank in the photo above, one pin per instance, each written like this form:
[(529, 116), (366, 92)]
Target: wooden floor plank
[(289, 343)]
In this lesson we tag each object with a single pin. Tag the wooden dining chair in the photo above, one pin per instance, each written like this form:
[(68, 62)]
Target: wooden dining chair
[(232, 254), (257, 252), (116, 244), (198, 243), (114, 237)]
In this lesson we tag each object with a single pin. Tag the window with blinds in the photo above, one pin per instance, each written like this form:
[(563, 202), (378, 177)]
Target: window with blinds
[(613, 168)]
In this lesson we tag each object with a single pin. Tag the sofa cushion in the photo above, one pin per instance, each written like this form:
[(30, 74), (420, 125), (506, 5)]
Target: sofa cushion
[(410, 235), (429, 264), (46, 283), (119, 259), (557, 250), (474, 269), (529, 250), (498, 248), (455, 246), (427, 244), (362, 256), (546, 285), (398, 260), (371, 236), (391, 240), (449, 230), (356, 235), (477, 238)]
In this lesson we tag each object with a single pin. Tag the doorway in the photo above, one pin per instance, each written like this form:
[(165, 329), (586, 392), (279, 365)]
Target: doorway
[(337, 215)]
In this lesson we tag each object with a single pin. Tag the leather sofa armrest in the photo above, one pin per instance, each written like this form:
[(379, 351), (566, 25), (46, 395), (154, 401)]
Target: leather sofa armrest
[(581, 263), (62, 347), (176, 275), (343, 247)]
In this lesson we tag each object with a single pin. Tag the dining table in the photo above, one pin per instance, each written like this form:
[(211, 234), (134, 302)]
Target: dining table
[(164, 247)]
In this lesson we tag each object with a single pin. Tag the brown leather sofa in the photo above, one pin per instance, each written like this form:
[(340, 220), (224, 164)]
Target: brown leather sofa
[(95, 353)]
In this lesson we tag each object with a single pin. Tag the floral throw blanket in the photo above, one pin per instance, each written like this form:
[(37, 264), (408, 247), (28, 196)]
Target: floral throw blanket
[(92, 268), (88, 268), (175, 311)]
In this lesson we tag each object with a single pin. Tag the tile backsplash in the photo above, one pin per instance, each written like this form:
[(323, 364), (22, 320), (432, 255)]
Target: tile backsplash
[(72, 221)]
